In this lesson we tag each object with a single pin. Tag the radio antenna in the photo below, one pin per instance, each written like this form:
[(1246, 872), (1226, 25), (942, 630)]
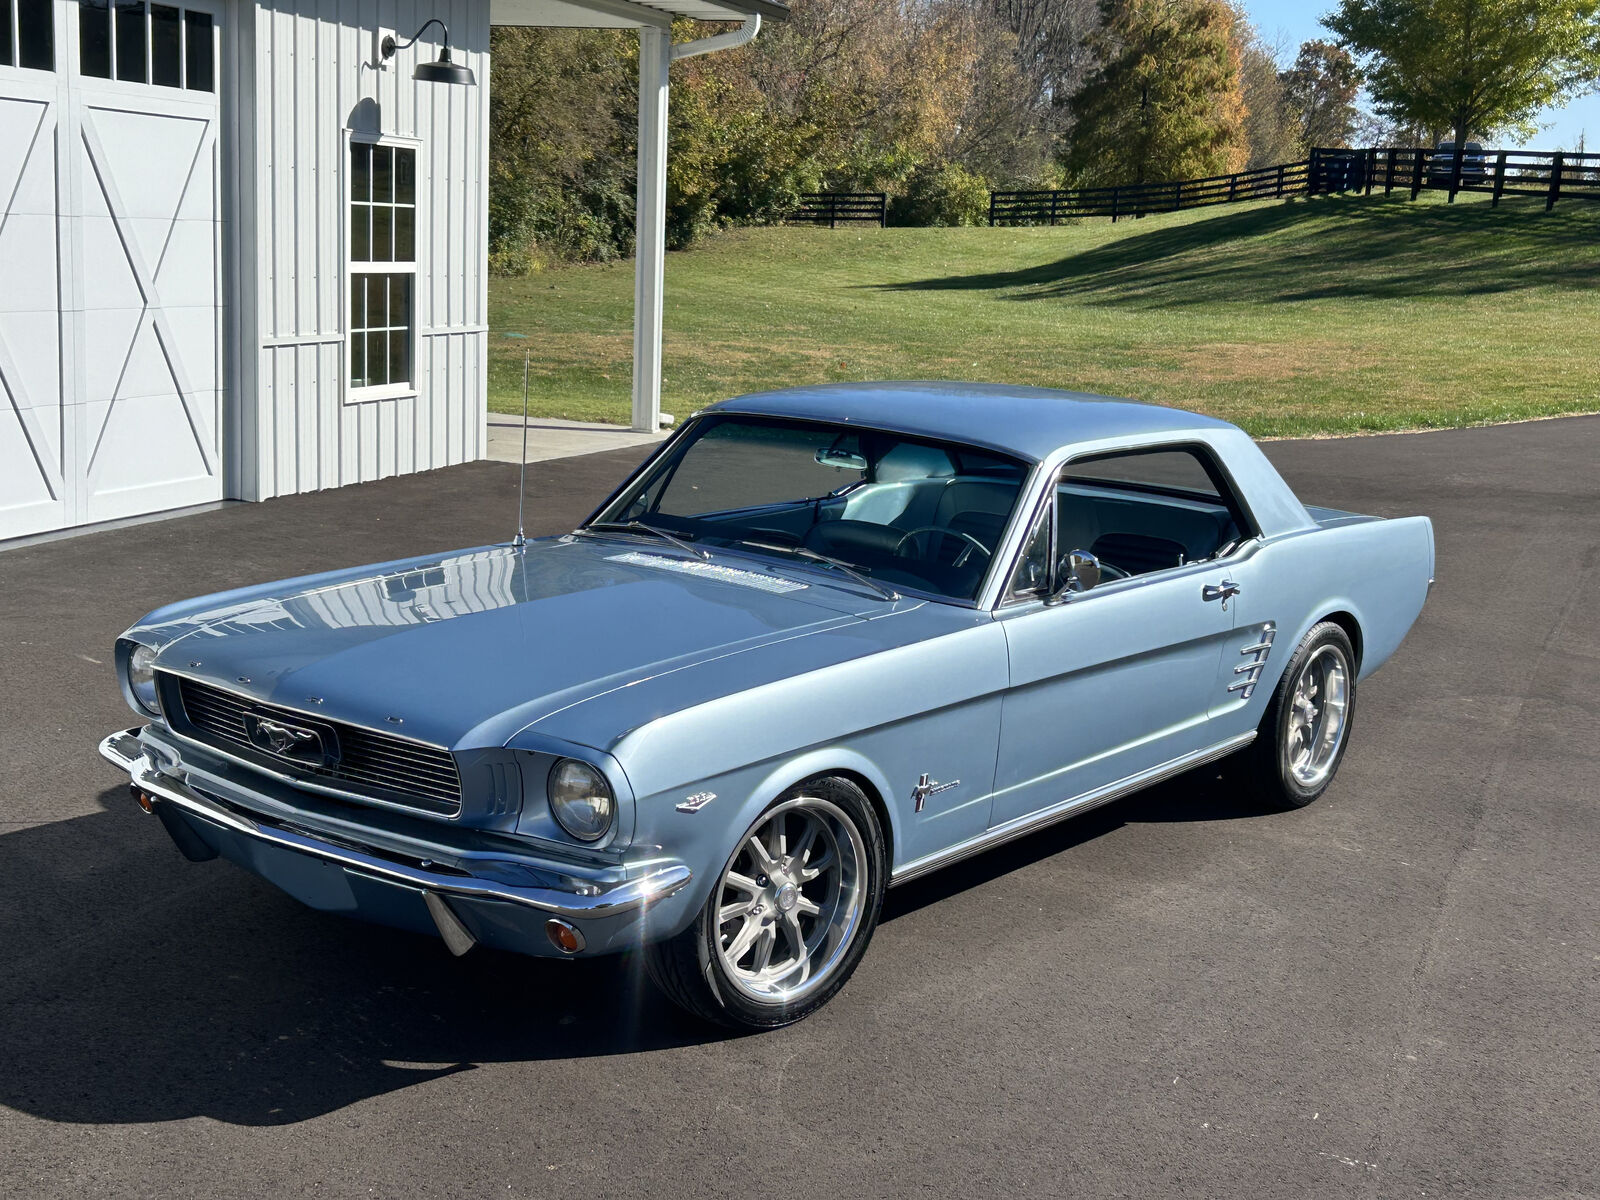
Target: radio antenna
[(522, 474)]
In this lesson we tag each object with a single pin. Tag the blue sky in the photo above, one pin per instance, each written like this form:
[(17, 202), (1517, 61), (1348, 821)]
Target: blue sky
[(1296, 21)]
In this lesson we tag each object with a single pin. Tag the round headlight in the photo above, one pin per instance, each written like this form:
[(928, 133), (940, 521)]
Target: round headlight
[(142, 679), (581, 800)]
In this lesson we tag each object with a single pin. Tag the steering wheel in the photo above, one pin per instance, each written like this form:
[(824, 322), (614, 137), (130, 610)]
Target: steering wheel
[(972, 542)]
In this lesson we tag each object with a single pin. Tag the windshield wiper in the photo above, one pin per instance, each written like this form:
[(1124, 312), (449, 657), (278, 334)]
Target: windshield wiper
[(811, 555), (639, 527)]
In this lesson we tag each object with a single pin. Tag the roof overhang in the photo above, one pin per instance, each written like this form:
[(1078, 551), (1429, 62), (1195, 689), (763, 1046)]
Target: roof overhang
[(627, 14)]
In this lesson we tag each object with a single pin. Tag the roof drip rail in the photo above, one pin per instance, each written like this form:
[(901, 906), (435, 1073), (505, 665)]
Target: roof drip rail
[(722, 41)]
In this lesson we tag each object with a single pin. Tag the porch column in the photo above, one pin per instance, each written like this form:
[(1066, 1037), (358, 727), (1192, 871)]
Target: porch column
[(655, 57)]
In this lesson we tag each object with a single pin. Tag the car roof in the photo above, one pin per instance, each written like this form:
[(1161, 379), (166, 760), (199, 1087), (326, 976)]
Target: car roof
[(1026, 422)]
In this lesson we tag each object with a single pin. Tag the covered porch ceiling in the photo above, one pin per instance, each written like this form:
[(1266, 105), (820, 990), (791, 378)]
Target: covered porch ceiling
[(627, 14)]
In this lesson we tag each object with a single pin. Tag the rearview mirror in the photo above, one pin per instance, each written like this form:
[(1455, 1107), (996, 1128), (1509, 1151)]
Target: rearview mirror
[(841, 459)]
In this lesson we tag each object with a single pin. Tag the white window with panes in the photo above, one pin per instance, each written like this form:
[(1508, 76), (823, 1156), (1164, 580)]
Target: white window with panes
[(383, 269)]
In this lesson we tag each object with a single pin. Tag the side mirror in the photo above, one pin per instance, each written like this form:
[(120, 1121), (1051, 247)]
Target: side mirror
[(1078, 571)]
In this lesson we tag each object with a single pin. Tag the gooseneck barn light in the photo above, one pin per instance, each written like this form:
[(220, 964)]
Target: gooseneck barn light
[(442, 71)]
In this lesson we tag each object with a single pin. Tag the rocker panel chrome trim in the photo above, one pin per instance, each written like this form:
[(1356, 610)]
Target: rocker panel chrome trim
[(1022, 826)]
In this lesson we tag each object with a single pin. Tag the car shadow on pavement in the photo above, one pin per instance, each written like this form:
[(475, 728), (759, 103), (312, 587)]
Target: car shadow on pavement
[(1204, 794), (168, 990)]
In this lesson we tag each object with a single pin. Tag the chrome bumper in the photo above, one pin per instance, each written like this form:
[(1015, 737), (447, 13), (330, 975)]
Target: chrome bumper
[(124, 750)]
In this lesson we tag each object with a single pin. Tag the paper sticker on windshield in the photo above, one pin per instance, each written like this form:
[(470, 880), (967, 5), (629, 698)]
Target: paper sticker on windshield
[(751, 579)]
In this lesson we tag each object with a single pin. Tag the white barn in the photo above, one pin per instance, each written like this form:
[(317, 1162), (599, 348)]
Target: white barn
[(243, 255)]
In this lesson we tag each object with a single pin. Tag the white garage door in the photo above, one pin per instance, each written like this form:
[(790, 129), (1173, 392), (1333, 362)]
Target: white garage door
[(110, 256)]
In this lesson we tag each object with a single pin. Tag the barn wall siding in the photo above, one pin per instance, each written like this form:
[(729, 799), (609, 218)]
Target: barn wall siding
[(314, 84)]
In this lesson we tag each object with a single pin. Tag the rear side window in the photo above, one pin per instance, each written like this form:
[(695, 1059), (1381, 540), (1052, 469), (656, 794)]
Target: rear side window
[(1159, 470), (1142, 511)]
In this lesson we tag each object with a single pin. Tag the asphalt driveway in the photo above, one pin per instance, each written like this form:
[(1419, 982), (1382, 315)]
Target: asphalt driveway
[(1393, 992)]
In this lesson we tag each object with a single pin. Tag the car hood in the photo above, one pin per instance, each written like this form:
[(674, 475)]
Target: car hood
[(465, 650)]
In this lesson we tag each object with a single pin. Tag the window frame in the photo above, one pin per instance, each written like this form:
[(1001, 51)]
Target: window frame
[(57, 42), (1045, 509), (353, 267), (213, 11)]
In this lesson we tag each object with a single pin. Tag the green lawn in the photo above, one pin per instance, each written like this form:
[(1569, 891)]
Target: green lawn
[(1332, 315)]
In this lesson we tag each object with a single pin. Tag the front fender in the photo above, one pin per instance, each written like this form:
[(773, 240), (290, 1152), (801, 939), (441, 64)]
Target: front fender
[(707, 836)]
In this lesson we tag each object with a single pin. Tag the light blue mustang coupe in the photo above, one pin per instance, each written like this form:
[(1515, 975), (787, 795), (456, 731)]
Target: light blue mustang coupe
[(824, 641)]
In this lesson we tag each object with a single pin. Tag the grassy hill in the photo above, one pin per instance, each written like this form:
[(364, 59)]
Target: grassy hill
[(1332, 315)]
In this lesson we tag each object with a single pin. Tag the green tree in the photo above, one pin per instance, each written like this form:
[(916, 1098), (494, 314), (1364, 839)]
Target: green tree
[(1165, 102), (1477, 67), (1322, 87)]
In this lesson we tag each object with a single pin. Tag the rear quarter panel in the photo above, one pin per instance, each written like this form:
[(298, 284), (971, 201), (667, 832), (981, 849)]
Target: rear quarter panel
[(1377, 571)]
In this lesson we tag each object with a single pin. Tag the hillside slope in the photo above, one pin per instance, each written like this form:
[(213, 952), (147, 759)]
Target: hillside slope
[(1338, 314)]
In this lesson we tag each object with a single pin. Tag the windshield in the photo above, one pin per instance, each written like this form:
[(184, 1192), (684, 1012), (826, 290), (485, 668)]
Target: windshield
[(905, 512)]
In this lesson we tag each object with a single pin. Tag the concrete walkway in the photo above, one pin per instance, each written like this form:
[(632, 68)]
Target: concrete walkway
[(551, 438)]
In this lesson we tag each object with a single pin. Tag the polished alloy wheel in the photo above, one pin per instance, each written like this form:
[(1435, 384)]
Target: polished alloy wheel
[(1318, 712), (791, 900)]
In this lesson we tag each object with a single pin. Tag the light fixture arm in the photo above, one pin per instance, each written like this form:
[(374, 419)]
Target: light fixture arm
[(443, 70), (390, 46)]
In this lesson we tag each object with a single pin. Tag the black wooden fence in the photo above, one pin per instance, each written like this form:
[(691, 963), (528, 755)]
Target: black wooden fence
[(1551, 174), (1136, 200), (829, 208)]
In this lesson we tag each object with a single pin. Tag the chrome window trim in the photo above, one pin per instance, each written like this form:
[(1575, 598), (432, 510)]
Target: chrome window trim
[(1248, 540), (983, 595)]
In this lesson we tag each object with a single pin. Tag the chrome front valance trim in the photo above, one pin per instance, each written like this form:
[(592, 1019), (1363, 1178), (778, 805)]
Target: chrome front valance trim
[(125, 751)]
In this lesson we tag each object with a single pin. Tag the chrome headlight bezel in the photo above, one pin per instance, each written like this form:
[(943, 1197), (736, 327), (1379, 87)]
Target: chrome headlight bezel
[(581, 800), (137, 668)]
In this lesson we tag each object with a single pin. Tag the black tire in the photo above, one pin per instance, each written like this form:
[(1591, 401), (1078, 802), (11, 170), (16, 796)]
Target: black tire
[(1265, 763), (689, 967)]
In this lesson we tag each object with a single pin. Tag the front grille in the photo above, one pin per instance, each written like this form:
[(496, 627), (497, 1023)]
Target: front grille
[(379, 766)]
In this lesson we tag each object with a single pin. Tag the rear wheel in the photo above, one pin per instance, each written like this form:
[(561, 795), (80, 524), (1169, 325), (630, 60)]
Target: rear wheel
[(789, 917), (1302, 737)]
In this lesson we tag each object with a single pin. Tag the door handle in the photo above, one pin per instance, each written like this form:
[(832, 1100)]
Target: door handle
[(1220, 591)]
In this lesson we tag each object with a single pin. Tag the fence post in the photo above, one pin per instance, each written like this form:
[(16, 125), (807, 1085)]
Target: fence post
[(992, 196), (1314, 172), (1456, 156), (1556, 164), (833, 211), (1499, 178), (1280, 180), (1115, 192), (1416, 174), (1177, 196), (1369, 167), (1388, 173)]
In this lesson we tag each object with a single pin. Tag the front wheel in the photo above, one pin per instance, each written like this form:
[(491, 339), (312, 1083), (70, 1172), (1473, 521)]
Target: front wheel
[(789, 917), (1302, 737)]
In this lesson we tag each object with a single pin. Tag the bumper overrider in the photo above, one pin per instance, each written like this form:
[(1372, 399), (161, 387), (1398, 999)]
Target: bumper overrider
[(473, 899)]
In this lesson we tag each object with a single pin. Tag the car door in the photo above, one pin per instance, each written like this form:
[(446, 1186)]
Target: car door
[(1118, 680)]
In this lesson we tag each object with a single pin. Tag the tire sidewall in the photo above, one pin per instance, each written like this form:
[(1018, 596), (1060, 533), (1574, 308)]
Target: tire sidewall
[(740, 1007), (1326, 633)]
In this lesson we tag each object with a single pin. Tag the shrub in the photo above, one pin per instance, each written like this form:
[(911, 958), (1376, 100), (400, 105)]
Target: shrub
[(941, 194)]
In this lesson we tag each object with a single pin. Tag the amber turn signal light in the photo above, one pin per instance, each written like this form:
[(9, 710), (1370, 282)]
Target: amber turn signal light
[(563, 936)]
